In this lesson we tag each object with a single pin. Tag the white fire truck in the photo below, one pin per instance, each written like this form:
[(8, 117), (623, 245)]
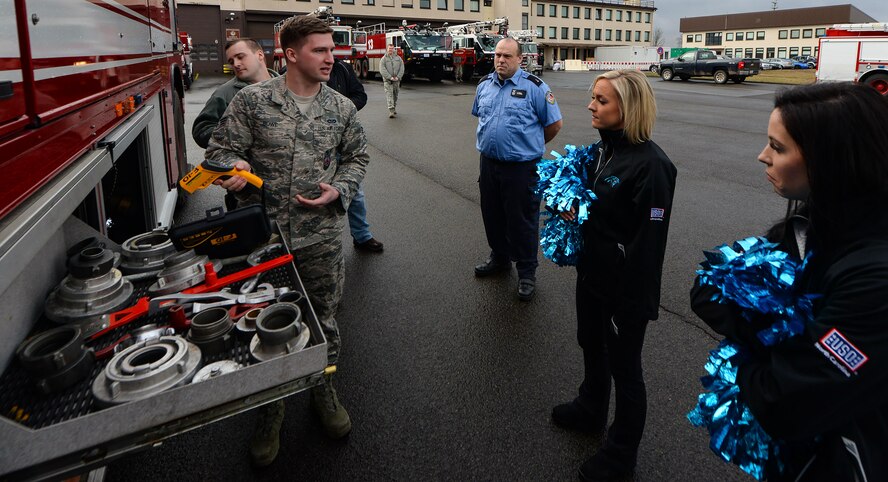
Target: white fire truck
[(855, 52), (426, 51), (349, 44), (92, 146), (530, 53), (475, 43)]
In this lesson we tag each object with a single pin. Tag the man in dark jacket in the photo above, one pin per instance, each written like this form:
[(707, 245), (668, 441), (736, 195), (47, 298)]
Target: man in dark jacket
[(248, 61)]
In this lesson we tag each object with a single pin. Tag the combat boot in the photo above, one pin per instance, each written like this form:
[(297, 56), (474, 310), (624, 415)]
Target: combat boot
[(266, 438), (325, 403)]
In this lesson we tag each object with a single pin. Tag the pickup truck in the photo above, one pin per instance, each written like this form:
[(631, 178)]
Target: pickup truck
[(705, 63)]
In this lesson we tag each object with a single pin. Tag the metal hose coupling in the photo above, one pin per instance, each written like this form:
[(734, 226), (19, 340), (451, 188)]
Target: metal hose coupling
[(56, 359), (181, 271), (246, 325), (145, 252), (279, 331), (146, 369), (211, 331), (92, 288), (216, 369)]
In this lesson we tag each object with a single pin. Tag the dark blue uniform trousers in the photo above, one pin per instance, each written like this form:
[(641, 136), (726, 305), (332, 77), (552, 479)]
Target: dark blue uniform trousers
[(511, 212)]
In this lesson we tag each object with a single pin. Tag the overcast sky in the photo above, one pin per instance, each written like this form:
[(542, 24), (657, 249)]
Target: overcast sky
[(669, 12)]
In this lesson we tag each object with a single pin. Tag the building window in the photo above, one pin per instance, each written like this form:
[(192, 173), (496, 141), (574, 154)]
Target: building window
[(525, 21), (587, 13), (459, 6), (740, 36), (576, 12), (807, 33), (619, 15), (474, 5), (729, 36), (348, 2), (760, 53), (541, 10), (597, 34), (564, 33), (608, 14), (760, 35), (647, 35), (821, 32), (794, 33), (587, 34), (564, 54), (565, 10), (425, 3), (370, 2), (783, 34), (597, 14), (713, 38), (698, 37), (541, 32), (619, 35), (748, 53), (647, 18), (628, 16), (637, 17), (553, 10), (638, 35), (689, 39), (607, 34), (553, 32), (729, 52), (793, 51), (576, 33), (806, 50), (770, 53), (781, 53), (749, 36), (525, 3), (442, 4)]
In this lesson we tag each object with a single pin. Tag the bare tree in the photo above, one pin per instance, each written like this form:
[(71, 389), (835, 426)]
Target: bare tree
[(658, 40)]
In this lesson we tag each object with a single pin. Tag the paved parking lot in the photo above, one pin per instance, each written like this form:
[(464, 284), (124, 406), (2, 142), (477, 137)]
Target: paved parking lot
[(450, 377)]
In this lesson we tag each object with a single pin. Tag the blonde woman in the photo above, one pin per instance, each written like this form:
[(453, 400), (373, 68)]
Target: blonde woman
[(619, 269)]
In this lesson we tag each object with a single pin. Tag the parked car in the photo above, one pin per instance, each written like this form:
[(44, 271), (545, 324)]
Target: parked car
[(705, 63), (769, 64), (783, 63), (809, 61)]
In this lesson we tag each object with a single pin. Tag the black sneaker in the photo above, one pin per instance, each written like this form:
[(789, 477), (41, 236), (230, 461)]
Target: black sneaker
[(572, 416), (526, 289), (371, 245), (605, 466), (490, 267)]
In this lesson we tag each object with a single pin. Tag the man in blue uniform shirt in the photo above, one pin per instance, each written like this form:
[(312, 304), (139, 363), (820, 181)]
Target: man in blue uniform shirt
[(517, 116)]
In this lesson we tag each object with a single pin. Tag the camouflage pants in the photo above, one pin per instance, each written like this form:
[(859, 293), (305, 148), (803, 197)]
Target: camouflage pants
[(322, 270), (391, 94)]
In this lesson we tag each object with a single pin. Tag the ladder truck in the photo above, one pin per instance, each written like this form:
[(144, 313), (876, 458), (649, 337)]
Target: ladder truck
[(530, 52), (857, 53), (426, 51), (475, 42)]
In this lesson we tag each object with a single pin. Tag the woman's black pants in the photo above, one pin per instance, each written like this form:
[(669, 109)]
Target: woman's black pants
[(612, 349)]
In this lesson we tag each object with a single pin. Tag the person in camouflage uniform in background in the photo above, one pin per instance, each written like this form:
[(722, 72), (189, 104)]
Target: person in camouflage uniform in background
[(304, 140)]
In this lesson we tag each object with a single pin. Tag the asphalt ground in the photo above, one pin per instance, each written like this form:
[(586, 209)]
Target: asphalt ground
[(450, 377)]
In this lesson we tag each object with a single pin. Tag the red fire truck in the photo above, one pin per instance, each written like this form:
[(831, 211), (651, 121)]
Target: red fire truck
[(426, 51), (530, 54), (855, 52), (187, 65), (475, 43), (350, 45)]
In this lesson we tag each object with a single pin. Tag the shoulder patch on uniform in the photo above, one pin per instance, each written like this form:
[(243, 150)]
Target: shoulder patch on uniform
[(486, 77), (536, 80), (550, 97)]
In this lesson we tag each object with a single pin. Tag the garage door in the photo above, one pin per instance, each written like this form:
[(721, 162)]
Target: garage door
[(204, 24)]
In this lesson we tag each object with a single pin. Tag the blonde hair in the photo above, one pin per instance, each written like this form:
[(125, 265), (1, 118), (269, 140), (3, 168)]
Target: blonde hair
[(637, 104)]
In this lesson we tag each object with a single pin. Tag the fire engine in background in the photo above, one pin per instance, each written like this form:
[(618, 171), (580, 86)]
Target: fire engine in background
[(426, 51), (474, 43), (349, 44), (187, 65), (530, 53), (855, 52)]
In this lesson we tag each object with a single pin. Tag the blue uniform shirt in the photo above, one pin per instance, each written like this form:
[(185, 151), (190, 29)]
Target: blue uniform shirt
[(512, 115)]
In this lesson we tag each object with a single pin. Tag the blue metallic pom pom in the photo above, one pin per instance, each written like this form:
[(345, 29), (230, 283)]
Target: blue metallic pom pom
[(761, 281), (562, 185)]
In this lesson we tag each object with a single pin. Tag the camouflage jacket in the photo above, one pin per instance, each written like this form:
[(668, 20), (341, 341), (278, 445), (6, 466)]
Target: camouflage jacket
[(292, 152)]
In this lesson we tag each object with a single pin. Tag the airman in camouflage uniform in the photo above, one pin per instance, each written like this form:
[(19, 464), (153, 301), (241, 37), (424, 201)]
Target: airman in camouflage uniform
[(304, 140)]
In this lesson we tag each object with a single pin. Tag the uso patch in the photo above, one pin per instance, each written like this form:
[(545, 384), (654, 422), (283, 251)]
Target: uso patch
[(844, 351), (550, 97)]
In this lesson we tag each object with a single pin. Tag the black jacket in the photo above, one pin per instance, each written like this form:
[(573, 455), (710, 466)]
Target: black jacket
[(344, 81), (205, 122), (832, 412), (624, 239)]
